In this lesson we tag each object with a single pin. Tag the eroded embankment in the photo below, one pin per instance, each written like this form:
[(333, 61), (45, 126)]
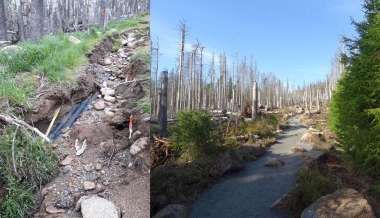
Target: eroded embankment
[(107, 167)]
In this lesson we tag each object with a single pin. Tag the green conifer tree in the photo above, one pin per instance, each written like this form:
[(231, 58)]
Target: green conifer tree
[(355, 106)]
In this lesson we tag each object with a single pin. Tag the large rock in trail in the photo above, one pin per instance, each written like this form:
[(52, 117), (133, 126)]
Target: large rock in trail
[(251, 192), (345, 203)]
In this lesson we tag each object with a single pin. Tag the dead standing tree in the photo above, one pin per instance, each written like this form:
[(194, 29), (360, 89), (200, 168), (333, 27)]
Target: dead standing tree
[(35, 29), (163, 102), (183, 29), (3, 20), (31, 19), (255, 100)]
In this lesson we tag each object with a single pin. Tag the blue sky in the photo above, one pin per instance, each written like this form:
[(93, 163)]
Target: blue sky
[(295, 39)]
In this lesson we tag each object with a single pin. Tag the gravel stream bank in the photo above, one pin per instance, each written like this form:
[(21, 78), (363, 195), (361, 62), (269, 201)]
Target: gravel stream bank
[(251, 192)]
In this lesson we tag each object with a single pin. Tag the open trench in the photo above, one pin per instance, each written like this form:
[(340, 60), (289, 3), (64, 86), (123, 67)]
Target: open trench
[(96, 111)]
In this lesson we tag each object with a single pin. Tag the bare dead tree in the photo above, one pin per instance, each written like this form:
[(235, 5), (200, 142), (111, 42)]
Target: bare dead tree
[(163, 102), (3, 23), (35, 28), (255, 101), (183, 29), (200, 85)]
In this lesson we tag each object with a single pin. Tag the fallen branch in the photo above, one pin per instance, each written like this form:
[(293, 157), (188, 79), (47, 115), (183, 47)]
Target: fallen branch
[(22, 123)]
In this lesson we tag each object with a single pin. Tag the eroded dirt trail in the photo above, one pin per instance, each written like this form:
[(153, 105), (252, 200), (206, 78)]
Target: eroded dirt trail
[(251, 192), (107, 168)]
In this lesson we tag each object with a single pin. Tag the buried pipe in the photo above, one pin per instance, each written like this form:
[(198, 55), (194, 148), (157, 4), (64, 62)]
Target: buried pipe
[(74, 113), (60, 125)]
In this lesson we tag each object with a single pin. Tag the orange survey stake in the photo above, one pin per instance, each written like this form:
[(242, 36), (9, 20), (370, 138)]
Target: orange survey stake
[(130, 126)]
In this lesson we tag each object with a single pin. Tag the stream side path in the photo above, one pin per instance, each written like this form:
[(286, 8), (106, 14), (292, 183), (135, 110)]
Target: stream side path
[(252, 191)]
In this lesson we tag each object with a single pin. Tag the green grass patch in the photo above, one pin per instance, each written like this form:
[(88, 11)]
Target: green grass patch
[(10, 91), (144, 105), (262, 127), (312, 184), (35, 165), (143, 55)]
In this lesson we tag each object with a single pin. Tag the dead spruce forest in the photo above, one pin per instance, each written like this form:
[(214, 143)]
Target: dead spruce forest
[(250, 110)]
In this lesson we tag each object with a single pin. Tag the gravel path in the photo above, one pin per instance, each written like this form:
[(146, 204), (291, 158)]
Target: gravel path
[(251, 192)]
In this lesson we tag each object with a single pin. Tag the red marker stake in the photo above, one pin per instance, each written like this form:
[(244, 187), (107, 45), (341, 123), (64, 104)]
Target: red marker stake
[(130, 126), (129, 75)]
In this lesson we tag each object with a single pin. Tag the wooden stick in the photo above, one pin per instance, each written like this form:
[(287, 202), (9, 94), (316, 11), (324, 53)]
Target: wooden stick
[(22, 123), (51, 123), (113, 151)]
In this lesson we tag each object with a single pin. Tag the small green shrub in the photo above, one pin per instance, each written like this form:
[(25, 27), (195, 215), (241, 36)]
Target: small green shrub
[(194, 133), (311, 185)]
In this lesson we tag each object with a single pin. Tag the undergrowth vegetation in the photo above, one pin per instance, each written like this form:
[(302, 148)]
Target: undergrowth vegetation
[(194, 134), (33, 165), (263, 127), (312, 184)]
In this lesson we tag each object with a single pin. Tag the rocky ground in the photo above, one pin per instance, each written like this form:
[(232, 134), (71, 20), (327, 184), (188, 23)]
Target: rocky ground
[(111, 168)]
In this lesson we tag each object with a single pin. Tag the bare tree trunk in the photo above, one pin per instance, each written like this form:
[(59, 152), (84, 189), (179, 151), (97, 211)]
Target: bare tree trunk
[(102, 13), (183, 29), (3, 23), (200, 82), (318, 105), (20, 21), (254, 101), (118, 10), (310, 98), (35, 30), (163, 102), (135, 8)]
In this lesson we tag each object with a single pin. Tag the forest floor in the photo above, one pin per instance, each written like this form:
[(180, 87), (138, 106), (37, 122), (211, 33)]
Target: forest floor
[(106, 168)]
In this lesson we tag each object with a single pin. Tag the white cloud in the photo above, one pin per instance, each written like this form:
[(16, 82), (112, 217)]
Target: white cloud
[(314, 71)]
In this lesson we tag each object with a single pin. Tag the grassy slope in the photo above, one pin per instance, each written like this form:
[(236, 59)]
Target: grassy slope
[(53, 55)]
